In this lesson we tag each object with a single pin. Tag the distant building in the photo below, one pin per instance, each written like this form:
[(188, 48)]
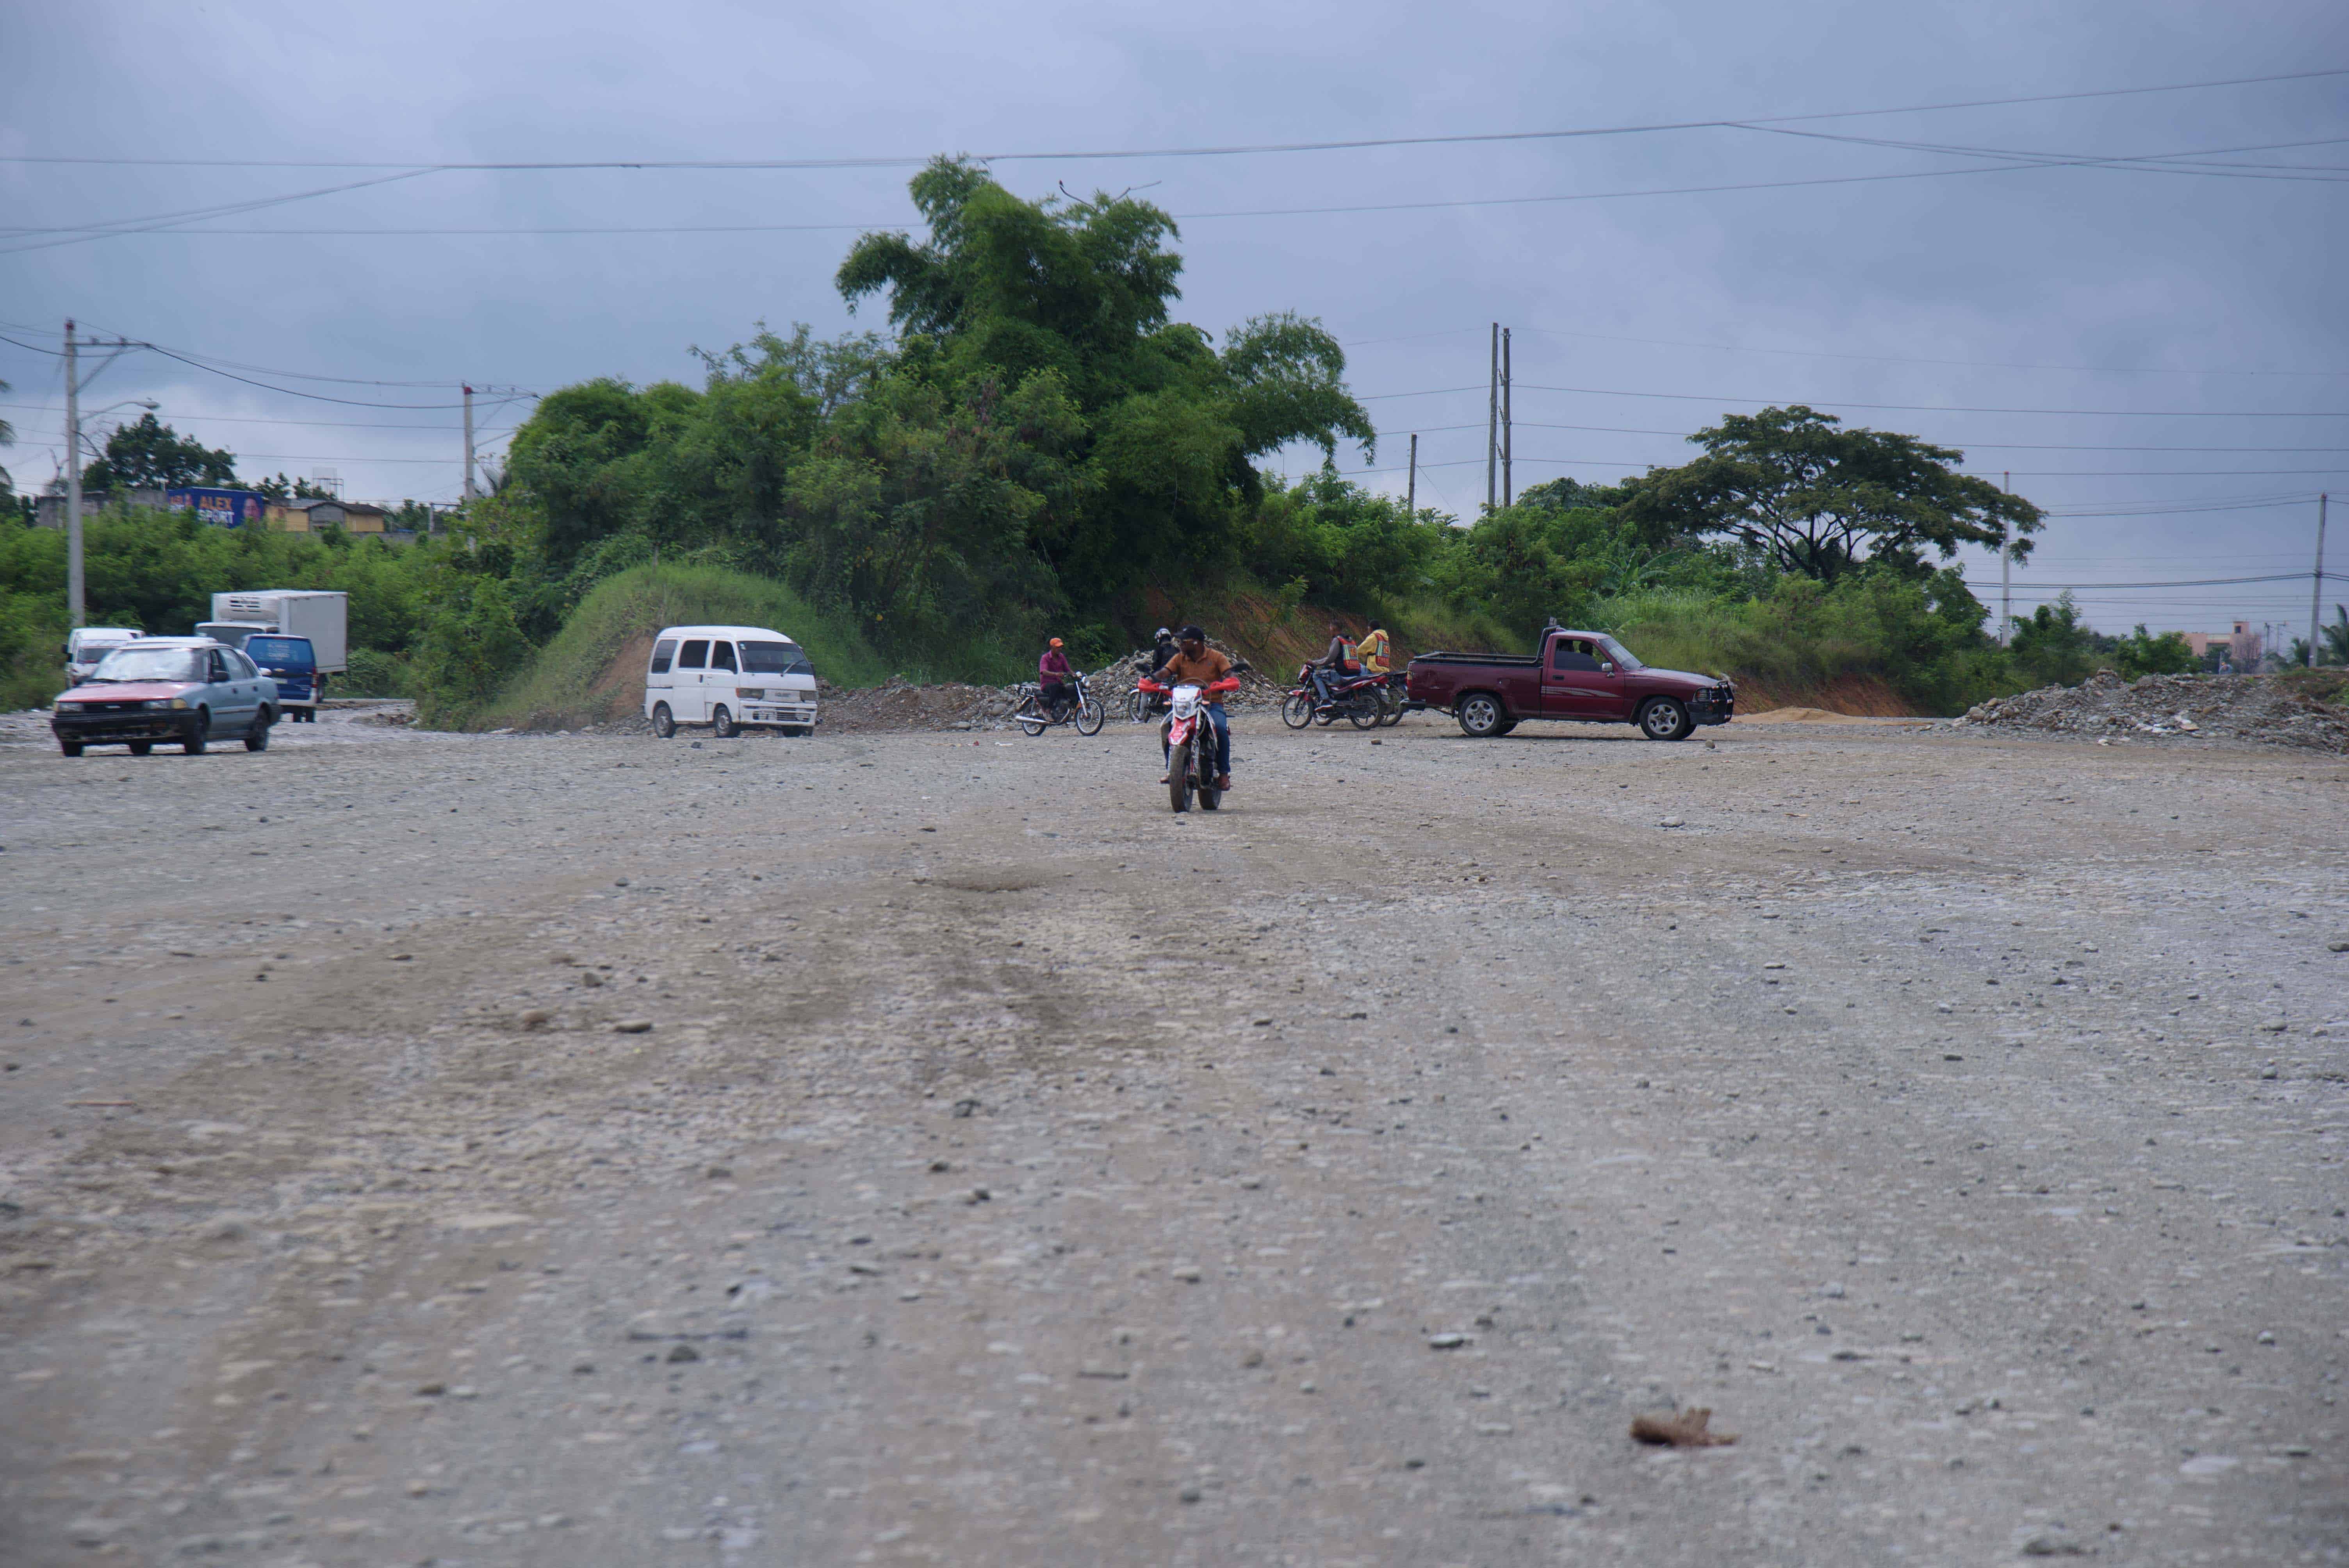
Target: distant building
[(316, 514), (2243, 646)]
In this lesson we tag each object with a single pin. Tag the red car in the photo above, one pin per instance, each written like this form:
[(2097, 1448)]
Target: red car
[(1587, 677)]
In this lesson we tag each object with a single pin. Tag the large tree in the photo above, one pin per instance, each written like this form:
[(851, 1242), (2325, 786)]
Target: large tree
[(1819, 500), (151, 455)]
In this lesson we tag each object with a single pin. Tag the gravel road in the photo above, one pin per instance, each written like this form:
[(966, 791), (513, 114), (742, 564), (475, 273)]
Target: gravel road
[(926, 1148)]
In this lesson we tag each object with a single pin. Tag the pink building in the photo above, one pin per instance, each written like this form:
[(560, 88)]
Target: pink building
[(2243, 645)]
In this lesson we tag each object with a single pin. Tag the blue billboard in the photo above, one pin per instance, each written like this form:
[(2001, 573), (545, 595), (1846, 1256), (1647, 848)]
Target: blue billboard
[(220, 508)]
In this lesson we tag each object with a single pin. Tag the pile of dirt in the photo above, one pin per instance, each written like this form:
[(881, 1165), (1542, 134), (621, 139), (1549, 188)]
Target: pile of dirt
[(2257, 709), (1799, 716), (896, 704), (1113, 686)]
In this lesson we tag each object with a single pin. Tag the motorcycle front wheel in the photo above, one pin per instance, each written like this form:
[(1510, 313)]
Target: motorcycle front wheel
[(1089, 718), (1298, 711), (1178, 775)]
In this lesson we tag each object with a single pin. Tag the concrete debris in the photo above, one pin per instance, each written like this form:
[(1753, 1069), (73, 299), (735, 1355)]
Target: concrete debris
[(2261, 709), (1686, 1429)]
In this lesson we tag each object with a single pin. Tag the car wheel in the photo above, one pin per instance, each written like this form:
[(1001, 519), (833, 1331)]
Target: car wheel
[(1480, 715), (142, 747), (664, 721), (1664, 719), (721, 722), (198, 733), (70, 747), (257, 738)]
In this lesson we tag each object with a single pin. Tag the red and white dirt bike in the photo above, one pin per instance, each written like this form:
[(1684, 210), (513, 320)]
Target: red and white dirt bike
[(1191, 743)]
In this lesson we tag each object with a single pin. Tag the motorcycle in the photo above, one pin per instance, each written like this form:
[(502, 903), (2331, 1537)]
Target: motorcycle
[(1033, 716), (1357, 698), (1191, 743)]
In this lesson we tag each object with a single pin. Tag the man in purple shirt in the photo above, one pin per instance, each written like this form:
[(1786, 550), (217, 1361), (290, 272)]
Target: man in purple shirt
[(1052, 674)]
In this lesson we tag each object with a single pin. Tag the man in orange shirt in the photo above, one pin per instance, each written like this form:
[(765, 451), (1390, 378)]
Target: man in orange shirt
[(1196, 664)]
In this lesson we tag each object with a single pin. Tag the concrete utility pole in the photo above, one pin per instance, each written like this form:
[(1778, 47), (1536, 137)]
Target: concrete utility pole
[(1411, 493), (2316, 584), (469, 491), (2005, 571), (1492, 425), (80, 614), (1509, 482)]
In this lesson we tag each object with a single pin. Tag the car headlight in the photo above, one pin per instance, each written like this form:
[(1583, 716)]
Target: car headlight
[(165, 702), (68, 708)]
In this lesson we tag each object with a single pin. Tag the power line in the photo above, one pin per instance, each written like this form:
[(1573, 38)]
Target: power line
[(1984, 446), (1944, 408), (1895, 359), (1228, 151)]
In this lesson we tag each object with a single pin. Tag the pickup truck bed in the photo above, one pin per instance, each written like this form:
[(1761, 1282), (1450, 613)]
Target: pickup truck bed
[(1579, 676)]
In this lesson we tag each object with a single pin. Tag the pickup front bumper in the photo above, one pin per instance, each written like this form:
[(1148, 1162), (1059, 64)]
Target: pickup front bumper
[(1718, 706)]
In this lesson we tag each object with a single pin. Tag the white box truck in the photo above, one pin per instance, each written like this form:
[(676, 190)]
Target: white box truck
[(323, 616)]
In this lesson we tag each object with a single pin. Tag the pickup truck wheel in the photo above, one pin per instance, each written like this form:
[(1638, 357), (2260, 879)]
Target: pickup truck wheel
[(70, 747), (1481, 717), (199, 733), (721, 722), (1664, 719), (664, 721)]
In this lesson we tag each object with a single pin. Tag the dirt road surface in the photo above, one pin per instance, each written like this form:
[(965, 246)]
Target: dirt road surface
[(926, 1148)]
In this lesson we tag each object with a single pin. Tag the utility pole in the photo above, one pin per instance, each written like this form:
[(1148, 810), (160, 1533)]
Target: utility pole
[(73, 485), (469, 491), (2316, 584), (1492, 425), (2005, 570), (1411, 494), (1508, 483)]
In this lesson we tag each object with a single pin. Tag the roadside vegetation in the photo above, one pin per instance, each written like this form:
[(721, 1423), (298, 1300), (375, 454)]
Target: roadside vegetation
[(1036, 447)]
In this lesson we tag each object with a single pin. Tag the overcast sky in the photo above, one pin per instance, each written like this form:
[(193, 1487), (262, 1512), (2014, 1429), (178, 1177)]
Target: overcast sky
[(2148, 328)]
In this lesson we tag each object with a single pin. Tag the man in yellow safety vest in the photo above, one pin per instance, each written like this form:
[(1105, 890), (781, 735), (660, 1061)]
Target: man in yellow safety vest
[(1374, 649)]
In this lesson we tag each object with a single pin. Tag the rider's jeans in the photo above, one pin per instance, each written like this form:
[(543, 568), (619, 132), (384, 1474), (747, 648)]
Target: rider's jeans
[(1323, 681), (1222, 729)]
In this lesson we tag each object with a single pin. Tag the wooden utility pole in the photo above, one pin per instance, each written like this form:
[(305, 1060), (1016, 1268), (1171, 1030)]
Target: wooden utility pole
[(1492, 426), (73, 485), (1509, 482), (2316, 586), (1410, 492), (2005, 570)]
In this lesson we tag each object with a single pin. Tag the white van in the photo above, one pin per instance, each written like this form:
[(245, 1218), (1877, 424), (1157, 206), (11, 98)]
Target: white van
[(728, 677), (85, 645)]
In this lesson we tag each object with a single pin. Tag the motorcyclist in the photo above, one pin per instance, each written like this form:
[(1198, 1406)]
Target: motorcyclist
[(1197, 664), (1375, 649), (1052, 677), (1331, 665), (1162, 650)]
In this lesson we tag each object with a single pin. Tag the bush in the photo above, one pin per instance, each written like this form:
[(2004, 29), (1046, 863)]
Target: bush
[(374, 673)]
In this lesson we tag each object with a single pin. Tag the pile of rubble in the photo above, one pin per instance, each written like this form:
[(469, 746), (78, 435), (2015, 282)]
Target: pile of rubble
[(2106, 707), (1113, 684)]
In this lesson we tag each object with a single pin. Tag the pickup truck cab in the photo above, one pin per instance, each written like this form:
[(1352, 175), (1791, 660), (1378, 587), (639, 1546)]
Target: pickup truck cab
[(183, 689), (729, 678), (1583, 677), (292, 663)]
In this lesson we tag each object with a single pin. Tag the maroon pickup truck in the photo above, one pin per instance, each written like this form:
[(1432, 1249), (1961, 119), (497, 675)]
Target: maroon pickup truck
[(1584, 676)]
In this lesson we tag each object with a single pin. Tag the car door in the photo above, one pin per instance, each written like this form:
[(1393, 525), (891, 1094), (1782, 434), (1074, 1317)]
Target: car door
[(719, 680), (686, 700), (230, 699), (1579, 682)]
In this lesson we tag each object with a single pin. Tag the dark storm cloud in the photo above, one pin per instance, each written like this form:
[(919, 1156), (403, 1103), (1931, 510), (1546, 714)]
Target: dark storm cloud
[(2126, 290)]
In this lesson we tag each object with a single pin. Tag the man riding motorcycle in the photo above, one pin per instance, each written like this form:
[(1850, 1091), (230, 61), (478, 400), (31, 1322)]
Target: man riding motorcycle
[(1331, 665), (1052, 679), (1162, 649), (1375, 648), (1196, 664)]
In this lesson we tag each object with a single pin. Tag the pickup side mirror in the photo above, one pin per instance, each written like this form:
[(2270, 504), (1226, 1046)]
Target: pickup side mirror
[(1606, 667)]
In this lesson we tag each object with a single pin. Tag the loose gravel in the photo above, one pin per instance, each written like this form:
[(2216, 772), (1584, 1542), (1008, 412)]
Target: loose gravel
[(2257, 709), (926, 1148)]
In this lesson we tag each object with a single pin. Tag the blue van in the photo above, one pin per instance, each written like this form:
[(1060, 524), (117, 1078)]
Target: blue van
[(292, 663)]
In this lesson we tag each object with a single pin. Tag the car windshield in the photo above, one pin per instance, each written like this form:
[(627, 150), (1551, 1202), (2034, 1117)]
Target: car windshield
[(279, 651), (151, 665), (1622, 656), (774, 659)]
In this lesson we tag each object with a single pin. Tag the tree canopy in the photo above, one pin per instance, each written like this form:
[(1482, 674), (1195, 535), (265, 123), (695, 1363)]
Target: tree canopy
[(1819, 500), (151, 455)]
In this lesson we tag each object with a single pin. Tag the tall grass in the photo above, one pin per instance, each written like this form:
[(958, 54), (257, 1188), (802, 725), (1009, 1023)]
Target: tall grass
[(566, 683)]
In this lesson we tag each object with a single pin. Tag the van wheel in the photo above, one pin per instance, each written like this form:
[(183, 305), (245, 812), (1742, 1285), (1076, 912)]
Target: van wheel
[(198, 733), (721, 722), (1664, 719), (664, 721), (1481, 717)]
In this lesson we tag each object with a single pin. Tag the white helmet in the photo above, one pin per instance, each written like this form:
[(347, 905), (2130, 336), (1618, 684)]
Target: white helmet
[(1165, 633)]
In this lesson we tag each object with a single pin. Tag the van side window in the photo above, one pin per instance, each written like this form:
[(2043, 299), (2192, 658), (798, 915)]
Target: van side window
[(663, 651), (1573, 655), (695, 655), (721, 656)]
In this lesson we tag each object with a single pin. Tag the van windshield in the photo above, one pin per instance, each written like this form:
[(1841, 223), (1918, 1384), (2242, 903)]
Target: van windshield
[(774, 659), (151, 665), (280, 653)]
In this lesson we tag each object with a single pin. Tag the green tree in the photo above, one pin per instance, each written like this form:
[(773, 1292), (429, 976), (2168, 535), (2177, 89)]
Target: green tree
[(151, 455), (1819, 500), (2332, 637), (2053, 646), (2142, 654)]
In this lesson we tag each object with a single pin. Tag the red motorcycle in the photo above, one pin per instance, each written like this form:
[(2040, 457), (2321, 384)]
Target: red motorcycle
[(1356, 697), (1191, 742)]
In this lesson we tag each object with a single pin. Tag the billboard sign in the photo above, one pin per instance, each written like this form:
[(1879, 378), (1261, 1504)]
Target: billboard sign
[(220, 508)]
